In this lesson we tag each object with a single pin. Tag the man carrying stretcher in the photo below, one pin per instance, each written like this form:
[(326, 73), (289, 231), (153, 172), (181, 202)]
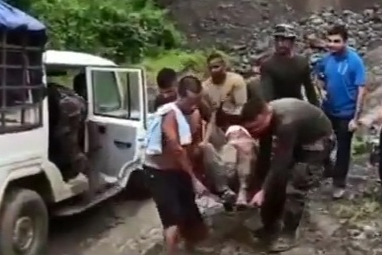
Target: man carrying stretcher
[(294, 148)]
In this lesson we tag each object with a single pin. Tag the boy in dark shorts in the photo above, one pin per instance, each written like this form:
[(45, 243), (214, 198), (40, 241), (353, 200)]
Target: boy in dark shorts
[(170, 170)]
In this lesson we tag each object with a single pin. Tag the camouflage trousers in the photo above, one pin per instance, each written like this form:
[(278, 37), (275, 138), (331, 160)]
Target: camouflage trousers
[(285, 203)]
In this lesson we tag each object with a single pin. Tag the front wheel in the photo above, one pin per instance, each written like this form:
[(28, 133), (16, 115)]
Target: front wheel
[(24, 223)]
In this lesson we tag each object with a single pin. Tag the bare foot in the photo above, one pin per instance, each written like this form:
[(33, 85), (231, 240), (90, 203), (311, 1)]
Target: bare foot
[(242, 198)]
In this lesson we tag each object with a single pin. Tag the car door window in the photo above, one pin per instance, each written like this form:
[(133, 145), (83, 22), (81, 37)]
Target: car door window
[(135, 96), (106, 97), (117, 92), (131, 83)]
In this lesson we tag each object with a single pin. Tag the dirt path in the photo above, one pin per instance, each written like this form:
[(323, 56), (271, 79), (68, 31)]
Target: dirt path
[(118, 227)]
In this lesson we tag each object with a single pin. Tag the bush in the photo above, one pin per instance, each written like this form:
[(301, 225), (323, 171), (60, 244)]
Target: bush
[(175, 59), (181, 61), (123, 30)]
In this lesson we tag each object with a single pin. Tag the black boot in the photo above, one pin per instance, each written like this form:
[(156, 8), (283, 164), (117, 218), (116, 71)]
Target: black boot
[(267, 233), (284, 242)]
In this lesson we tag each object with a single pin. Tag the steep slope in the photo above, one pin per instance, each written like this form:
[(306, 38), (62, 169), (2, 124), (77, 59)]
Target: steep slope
[(234, 21)]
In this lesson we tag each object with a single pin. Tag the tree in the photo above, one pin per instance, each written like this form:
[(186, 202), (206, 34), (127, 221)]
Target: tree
[(124, 30)]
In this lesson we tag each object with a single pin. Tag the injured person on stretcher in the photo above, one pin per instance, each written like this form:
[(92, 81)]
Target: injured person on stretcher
[(228, 163)]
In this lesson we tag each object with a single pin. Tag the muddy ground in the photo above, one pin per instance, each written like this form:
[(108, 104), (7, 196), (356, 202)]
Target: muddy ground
[(116, 227), (352, 226)]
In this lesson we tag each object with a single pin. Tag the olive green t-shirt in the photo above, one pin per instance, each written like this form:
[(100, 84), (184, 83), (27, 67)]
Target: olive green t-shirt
[(294, 123), (283, 77)]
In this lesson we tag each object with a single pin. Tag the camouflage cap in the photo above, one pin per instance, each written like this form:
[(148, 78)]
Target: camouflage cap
[(284, 30)]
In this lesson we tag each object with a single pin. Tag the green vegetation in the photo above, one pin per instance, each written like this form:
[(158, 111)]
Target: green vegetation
[(127, 31), (122, 30), (175, 59), (180, 60)]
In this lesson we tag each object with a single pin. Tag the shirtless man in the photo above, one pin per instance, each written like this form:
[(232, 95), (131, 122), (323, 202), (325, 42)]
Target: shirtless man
[(301, 132), (171, 175), (284, 74)]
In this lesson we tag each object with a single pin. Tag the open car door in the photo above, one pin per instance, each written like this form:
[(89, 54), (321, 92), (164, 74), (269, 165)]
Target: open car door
[(116, 119)]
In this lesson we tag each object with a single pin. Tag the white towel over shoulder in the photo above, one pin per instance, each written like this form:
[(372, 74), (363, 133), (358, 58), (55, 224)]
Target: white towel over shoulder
[(153, 139)]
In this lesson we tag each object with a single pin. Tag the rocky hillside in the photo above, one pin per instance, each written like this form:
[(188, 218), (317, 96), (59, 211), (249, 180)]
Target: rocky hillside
[(222, 21), (243, 27)]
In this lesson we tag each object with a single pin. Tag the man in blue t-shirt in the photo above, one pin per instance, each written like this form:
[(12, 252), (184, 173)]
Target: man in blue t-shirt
[(343, 74)]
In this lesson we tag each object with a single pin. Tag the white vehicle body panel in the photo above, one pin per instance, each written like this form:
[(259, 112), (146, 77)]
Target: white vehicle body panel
[(72, 58), (121, 136), (25, 154)]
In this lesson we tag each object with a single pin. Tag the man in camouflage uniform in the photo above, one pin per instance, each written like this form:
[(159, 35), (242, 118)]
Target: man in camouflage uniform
[(67, 120), (294, 146)]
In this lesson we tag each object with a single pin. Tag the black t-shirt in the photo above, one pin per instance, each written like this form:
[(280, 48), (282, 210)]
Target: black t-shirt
[(283, 77)]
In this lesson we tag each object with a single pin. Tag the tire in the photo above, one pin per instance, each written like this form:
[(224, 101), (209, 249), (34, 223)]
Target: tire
[(19, 203)]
